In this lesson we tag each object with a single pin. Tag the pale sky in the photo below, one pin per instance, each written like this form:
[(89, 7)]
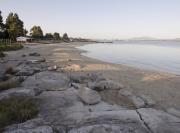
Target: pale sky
[(100, 19)]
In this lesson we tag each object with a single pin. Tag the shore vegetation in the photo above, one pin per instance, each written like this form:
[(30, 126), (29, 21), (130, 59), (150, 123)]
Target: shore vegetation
[(16, 109)]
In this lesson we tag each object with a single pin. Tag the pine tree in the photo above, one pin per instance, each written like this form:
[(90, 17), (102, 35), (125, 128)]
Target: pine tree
[(15, 26), (56, 36), (48, 36), (1, 23), (2, 26), (36, 32), (65, 37)]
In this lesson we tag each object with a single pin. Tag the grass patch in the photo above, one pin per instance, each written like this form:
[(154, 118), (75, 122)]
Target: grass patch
[(2, 54), (16, 110), (10, 47), (8, 80), (4, 85)]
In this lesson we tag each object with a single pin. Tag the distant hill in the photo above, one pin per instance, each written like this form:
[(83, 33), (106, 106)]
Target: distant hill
[(143, 38), (152, 39), (177, 39)]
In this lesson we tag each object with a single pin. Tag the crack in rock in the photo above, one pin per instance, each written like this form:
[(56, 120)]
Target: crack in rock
[(145, 124)]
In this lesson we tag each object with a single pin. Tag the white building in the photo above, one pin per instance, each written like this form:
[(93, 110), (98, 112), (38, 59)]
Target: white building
[(23, 39)]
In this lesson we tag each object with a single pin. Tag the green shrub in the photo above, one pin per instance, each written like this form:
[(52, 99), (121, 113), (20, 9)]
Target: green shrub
[(10, 47), (16, 110)]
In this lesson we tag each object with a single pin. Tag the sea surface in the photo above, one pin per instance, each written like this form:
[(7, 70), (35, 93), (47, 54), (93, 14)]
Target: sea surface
[(153, 55)]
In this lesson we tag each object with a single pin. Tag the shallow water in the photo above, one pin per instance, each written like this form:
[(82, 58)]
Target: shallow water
[(153, 55)]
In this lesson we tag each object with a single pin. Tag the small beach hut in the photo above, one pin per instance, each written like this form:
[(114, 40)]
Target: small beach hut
[(23, 39)]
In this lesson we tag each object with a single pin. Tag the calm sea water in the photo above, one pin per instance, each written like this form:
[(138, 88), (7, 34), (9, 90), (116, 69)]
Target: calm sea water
[(153, 55)]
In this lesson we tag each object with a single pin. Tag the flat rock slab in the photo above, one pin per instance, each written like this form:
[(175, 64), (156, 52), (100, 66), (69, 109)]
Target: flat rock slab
[(159, 121), (19, 92), (64, 110), (174, 112), (55, 105), (103, 106), (125, 121), (105, 128), (40, 129), (47, 81), (32, 126)]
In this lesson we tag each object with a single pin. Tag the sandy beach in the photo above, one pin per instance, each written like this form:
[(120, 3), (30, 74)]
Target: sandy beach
[(164, 88)]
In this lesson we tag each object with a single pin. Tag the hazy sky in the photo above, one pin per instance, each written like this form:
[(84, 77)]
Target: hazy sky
[(104, 19)]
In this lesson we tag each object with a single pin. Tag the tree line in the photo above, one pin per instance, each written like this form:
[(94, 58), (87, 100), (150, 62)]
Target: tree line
[(14, 27)]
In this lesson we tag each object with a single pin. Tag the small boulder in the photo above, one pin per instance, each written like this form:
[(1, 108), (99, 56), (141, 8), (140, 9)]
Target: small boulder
[(53, 68), (106, 85), (76, 78), (125, 93), (76, 85), (23, 55), (34, 54), (42, 60), (86, 78), (148, 101), (89, 96), (69, 60), (36, 61), (138, 102)]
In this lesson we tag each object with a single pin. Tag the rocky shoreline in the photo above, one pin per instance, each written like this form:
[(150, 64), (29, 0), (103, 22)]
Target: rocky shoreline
[(74, 99)]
